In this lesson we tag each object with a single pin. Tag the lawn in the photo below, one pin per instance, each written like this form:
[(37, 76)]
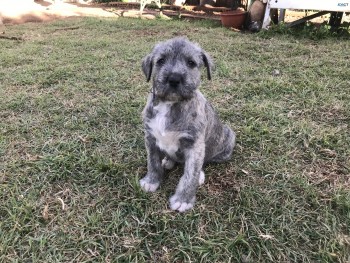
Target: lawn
[(72, 147)]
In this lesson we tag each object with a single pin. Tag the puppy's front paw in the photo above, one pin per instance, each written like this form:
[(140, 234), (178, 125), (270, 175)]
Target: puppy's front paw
[(176, 203), (147, 186)]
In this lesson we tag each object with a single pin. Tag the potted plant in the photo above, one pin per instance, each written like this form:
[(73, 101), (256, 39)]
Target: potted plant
[(234, 18)]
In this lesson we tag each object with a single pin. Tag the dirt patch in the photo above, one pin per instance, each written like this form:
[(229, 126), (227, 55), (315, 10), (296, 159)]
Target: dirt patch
[(20, 11)]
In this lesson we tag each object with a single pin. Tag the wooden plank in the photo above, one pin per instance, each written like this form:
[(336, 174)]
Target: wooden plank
[(306, 18)]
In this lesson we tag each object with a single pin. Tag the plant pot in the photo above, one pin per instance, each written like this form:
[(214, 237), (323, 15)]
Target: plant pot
[(233, 18)]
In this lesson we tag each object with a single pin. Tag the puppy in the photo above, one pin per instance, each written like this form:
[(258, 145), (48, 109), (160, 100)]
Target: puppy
[(180, 124)]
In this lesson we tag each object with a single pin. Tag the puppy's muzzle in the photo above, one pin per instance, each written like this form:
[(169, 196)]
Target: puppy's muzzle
[(174, 80)]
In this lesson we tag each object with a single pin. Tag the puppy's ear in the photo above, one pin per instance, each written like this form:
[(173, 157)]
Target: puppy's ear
[(147, 66), (208, 63)]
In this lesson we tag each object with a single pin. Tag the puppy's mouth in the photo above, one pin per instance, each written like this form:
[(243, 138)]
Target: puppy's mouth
[(180, 93), (173, 88)]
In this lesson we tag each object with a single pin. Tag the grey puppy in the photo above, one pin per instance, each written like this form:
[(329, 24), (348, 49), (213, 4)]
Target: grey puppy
[(180, 124)]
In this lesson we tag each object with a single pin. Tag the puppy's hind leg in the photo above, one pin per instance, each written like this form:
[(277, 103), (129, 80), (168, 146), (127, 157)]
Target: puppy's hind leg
[(201, 178), (226, 148), (167, 163)]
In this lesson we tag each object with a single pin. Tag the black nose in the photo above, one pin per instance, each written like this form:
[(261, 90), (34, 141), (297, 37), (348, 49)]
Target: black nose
[(174, 80)]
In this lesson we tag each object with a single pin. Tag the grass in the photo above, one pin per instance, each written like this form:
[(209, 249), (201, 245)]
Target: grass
[(72, 148)]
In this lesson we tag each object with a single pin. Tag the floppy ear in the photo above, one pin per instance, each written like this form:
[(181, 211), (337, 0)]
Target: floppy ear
[(208, 63), (147, 66)]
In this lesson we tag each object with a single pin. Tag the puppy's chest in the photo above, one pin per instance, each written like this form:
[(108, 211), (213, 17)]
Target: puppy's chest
[(167, 138)]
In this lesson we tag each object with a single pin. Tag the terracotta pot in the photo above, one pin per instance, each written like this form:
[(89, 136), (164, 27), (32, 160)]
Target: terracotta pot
[(233, 18)]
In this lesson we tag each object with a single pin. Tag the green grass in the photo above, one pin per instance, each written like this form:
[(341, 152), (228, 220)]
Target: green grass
[(72, 148)]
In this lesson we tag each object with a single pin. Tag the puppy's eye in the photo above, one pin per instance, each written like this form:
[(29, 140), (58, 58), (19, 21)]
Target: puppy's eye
[(191, 63), (161, 61)]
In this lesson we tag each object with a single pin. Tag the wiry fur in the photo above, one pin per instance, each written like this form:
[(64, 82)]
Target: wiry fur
[(180, 124)]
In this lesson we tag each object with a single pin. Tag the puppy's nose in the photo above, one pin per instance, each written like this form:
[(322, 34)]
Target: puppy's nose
[(174, 79)]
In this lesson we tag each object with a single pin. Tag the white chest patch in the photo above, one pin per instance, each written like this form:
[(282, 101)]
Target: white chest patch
[(167, 141)]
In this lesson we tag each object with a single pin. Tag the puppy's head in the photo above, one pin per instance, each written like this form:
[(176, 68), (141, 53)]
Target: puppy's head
[(174, 67)]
